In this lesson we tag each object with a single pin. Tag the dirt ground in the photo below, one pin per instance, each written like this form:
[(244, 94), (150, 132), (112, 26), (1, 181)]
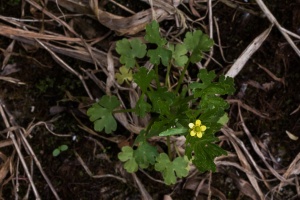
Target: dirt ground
[(47, 101)]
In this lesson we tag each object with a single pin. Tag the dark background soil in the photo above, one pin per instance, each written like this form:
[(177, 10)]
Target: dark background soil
[(47, 83)]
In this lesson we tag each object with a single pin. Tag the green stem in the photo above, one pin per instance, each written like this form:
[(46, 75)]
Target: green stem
[(181, 77), (167, 79), (157, 77)]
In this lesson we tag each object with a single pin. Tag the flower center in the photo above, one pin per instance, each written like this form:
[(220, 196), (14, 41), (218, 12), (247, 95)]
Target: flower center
[(197, 129)]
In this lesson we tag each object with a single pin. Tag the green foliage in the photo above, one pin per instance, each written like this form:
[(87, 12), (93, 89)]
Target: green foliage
[(161, 100), (160, 55), (153, 35), (59, 149), (179, 167), (142, 107), (198, 110), (101, 114), (197, 42), (204, 150), (129, 50), (179, 54), (124, 75), (142, 157), (143, 78)]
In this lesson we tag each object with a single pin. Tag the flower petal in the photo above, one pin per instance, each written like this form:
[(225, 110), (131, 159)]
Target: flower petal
[(193, 133), (191, 125), (198, 122), (203, 128), (199, 134)]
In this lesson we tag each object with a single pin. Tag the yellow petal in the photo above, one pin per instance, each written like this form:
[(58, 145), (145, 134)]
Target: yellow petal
[(191, 125), (193, 133), (198, 122), (199, 134), (203, 128)]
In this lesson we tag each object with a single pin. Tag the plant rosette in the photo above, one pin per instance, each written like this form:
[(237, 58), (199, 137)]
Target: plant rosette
[(197, 111)]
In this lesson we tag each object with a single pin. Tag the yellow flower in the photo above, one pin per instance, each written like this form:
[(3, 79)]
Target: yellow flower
[(197, 129)]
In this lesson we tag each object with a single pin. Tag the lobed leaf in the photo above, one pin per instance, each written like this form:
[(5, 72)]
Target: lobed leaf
[(171, 170), (127, 156), (197, 42), (160, 55), (145, 154), (179, 54), (204, 152), (143, 78), (129, 50), (124, 75), (153, 35), (101, 114)]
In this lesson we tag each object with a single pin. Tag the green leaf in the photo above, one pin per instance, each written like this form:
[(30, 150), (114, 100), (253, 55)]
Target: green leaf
[(213, 101), (129, 50), (131, 166), (101, 114), (109, 102), (179, 54), (174, 131), (63, 147), (153, 35), (204, 151), (145, 154), (127, 156), (124, 75), (143, 78), (197, 42), (142, 107), (106, 121), (224, 119), (158, 55), (205, 77), (162, 100), (228, 84), (171, 170), (56, 152)]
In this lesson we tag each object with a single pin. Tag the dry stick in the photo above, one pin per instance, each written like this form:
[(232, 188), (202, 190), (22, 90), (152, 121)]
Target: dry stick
[(293, 169), (67, 67), (258, 151), (143, 191), (49, 14), (27, 145), (273, 20), (291, 33), (210, 19), (219, 40), (12, 137), (209, 185), (123, 7), (89, 172), (236, 142), (247, 53), (38, 164)]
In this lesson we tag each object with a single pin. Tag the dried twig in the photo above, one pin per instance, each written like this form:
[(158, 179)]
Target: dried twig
[(273, 20), (247, 53)]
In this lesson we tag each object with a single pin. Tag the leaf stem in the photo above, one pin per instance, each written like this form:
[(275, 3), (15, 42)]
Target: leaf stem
[(157, 77), (181, 77), (167, 79)]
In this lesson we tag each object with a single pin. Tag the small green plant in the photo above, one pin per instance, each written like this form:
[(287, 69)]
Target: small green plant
[(196, 111), (59, 149)]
